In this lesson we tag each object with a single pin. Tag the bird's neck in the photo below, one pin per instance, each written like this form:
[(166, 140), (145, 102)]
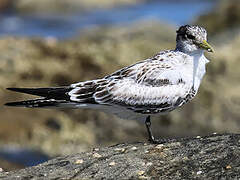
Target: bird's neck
[(199, 68), (197, 62), (187, 48)]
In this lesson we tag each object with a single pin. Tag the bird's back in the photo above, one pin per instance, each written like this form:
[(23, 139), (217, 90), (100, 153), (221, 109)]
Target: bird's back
[(155, 85)]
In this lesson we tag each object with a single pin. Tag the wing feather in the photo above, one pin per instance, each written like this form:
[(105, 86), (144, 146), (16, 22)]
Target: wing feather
[(147, 85), (154, 83)]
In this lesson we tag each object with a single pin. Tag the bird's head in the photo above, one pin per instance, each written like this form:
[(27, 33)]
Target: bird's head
[(191, 39)]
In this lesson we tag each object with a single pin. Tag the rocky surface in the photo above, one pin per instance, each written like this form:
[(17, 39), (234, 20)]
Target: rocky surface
[(212, 157)]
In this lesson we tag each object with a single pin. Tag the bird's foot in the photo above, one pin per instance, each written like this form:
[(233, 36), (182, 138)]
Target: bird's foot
[(157, 141)]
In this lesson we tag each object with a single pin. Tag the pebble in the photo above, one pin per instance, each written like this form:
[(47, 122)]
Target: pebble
[(120, 149), (96, 155), (134, 148), (142, 177), (160, 146), (140, 173), (112, 163), (228, 167), (149, 164), (79, 161)]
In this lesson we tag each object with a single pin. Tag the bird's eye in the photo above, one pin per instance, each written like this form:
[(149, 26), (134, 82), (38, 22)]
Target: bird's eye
[(189, 36)]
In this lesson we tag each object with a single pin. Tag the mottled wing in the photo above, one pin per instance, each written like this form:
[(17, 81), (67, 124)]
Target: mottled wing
[(151, 86), (83, 92), (154, 85)]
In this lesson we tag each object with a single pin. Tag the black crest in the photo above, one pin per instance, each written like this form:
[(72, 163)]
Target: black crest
[(182, 30)]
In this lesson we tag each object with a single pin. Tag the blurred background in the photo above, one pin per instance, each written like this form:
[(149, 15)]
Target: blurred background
[(59, 42)]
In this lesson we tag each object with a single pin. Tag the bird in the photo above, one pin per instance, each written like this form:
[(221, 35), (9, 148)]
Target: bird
[(156, 85)]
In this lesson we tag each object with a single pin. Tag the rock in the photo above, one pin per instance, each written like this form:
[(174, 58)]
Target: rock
[(6, 5), (6, 165), (225, 16), (212, 157)]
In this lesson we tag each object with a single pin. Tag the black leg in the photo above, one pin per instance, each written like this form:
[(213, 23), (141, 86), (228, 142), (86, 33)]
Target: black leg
[(149, 130), (150, 134)]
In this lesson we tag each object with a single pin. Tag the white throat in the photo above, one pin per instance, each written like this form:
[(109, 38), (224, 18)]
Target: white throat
[(199, 68)]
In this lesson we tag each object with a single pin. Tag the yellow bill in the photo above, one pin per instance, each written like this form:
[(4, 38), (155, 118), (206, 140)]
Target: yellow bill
[(206, 46)]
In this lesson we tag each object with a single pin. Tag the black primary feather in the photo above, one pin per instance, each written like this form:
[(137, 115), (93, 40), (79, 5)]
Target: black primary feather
[(58, 93), (51, 96), (35, 103)]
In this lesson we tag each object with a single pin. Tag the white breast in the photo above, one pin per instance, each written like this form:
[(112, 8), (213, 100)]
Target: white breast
[(199, 70)]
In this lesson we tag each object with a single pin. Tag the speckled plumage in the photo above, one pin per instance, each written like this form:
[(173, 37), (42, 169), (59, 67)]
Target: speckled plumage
[(158, 84)]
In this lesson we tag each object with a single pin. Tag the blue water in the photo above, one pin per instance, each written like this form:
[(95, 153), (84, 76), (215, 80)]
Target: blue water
[(65, 26), (24, 157)]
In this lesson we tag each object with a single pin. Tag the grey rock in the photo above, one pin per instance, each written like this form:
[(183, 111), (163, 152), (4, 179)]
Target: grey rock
[(211, 157)]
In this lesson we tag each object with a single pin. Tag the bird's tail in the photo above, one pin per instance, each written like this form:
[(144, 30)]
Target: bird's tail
[(36, 103), (51, 97)]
